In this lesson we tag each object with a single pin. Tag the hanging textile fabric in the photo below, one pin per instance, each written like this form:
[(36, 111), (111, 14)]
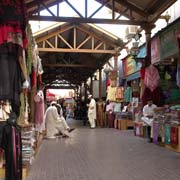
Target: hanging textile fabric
[(178, 65), (155, 96), (174, 136), (12, 42), (39, 110), (120, 93), (151, 79), (128, 94), (11, 143), (111, 93)]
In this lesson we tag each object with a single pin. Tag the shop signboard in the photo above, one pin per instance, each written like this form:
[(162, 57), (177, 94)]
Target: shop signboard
[(169, 41), (155, 49), (130, 66), (142, 52)]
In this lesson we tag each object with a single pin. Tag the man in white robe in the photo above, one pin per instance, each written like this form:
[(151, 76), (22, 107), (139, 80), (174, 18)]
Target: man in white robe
[(92, 111), (148, 116), (54, 123)]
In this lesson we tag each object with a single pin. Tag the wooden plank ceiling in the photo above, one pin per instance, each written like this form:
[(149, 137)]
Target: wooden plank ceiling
[(73, 51)]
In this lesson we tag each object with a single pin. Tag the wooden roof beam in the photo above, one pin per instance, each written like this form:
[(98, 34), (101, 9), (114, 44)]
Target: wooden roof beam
[(77, 50), (85, 20), (70, 65), (133, 8)]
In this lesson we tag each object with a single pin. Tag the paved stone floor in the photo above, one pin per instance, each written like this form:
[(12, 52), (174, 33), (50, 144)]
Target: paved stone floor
[(104, 154)]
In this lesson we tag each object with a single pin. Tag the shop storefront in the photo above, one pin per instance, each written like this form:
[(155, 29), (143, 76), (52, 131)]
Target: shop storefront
[(165, 58)]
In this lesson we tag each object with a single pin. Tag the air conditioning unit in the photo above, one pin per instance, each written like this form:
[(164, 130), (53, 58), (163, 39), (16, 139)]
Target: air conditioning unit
[(130, 32)]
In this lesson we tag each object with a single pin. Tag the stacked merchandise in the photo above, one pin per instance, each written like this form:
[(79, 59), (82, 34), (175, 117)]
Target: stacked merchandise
[(28, 144), (166, 127)]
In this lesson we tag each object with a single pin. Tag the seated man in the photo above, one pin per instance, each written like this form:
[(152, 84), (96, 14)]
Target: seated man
[(63, 121), (148, 117), (55, 123)]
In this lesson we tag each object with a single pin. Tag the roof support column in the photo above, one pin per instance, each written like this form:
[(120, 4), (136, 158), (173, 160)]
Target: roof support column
[(100, 84), (115, 74), (99, 119), (91, 86), (148, 28), (116, 62)]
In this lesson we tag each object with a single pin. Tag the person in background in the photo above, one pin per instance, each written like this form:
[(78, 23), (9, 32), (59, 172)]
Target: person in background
[(148, 117), (63, 121), (92, 111), (54, 123)]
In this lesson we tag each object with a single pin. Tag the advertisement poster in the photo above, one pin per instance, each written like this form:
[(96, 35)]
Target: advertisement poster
[(155, 50), (169, 41), (130, 66)]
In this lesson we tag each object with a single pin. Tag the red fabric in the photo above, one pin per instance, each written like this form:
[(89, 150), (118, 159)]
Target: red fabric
[(13, 14), (142, 72), (10, 34), (174, 135), (155, 96), (151, 79), (33, 78), (108, 82)]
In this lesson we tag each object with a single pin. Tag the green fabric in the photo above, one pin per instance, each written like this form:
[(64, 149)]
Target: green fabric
[(167, 134), (128, 94)]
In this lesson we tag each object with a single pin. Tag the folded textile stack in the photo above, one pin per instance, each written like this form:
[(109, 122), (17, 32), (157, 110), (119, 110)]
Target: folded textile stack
[(28, 143)]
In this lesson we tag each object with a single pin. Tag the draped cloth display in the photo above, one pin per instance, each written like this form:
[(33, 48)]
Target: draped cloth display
[(39, 109), (13, 21), (151, 79), (11, 143)]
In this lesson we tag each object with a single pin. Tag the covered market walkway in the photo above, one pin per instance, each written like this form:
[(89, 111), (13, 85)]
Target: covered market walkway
[(103, 154)]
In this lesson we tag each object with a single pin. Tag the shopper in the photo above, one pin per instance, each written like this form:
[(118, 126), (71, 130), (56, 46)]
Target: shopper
[(92, 111), (54, 123), (148, 117)]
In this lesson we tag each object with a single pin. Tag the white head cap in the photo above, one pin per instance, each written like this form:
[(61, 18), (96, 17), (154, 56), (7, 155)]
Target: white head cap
[(53, 102), (89, 96)]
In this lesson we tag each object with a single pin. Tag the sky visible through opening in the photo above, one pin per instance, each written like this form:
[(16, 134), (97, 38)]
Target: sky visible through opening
[(66, 11)]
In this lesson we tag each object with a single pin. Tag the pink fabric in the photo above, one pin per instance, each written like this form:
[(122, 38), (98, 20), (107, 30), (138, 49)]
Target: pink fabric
[(110, 107), (39, 107), (14, 147), (151, 79)]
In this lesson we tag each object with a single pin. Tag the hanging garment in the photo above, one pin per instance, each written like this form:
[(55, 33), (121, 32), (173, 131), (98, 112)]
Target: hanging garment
[(128, 94), (39, 107), (11, 80), (142, 87), (110, 107), (2, 124), (33, 78), (155, 132), (111, 118), (14, 13), (111, 93), (155, 96), (142, 73), (178, 76), (11, 143), (174, 136), (11, 34), (152, 77), (120, 93), (167, 134), (117, 107)]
